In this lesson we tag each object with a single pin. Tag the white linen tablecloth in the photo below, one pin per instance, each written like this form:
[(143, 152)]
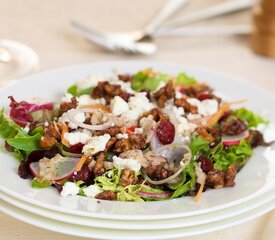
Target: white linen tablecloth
[(44, 25)]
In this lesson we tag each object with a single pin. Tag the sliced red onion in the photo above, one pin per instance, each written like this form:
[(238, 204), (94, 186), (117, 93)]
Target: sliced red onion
[(234, 140), (154, 143), (183, 163), (154, 195), (65, 168), (71, 117), (69, 154)]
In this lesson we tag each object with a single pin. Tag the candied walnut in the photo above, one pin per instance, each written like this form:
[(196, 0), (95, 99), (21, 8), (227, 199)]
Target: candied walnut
[(47, 141), (125, 77), (257, 139), (113, 131), (66, 106), (107, 91), (122, 145), (52, 134), (196, 90), (127, 177), (137, 141), (110, 144), (99, 167), (165, 93), (106, 195), (230, 175), (215, 179), (157, 172), (157, 114), (182, 102), (210, 134), (53, 130), (233, 127)]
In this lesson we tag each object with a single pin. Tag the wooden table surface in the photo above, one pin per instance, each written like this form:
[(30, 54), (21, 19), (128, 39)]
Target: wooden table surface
[(44, 25)]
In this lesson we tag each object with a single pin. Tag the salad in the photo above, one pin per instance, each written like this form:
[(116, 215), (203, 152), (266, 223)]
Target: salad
[(132, 137)]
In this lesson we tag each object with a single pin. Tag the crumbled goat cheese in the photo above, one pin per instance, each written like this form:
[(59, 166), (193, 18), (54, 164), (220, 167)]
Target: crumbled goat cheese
[(206, 107), (185, 128), (77, 137), (87, 100), (178, 94), (120, 135), (132, 114), (140, 102), (138, 130), (123, 163), (67, 97), (26, 129), (91, 191), (80, 117), (70, 188), (118, 106), (201, 176), (96, 144)]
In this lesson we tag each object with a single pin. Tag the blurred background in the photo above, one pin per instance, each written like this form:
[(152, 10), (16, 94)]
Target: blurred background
[(45, 27)]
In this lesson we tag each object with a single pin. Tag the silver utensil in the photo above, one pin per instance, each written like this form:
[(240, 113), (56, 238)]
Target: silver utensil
[(134, 41), (220, 30), (141, 41), (217, 10)]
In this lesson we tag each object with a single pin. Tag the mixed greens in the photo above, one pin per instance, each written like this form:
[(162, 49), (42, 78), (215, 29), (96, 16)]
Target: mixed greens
[(142, 137)]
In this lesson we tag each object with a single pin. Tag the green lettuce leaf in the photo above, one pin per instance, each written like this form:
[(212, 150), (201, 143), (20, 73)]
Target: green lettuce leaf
[(197, 145), (26, 143), (187, 182), (8, 128), (184, 79), (251, 118), (233, 154), (141, 81), (37, 183), (75, 91)]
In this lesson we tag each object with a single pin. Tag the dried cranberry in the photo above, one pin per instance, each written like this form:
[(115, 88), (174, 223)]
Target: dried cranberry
[(225, 115), (24, 170), (84, 175), (204, 95), (77, 148), (206, 164), (165, 132), (125, 96), (58, 186)]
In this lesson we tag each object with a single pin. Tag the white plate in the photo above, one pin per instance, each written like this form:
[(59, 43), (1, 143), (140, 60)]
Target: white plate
[(102, 233), (145, 224), (253, 180)]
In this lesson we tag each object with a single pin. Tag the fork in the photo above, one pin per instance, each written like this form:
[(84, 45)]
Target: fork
[(141, 41), (125, 41)]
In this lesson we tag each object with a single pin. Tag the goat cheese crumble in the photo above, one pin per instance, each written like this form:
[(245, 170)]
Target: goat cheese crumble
[(96, 144), (125, 163), (70, 189)]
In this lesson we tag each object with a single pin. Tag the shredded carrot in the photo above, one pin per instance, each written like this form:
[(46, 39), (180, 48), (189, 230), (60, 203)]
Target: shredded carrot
[(202, 132), (194, 85), (64, 129), (97, 106), (238, 102), (217, 116), (198, 196), (81, 162), (149, 71)]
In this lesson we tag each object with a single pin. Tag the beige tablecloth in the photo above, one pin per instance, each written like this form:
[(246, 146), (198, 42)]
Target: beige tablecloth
[(44, 25)]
